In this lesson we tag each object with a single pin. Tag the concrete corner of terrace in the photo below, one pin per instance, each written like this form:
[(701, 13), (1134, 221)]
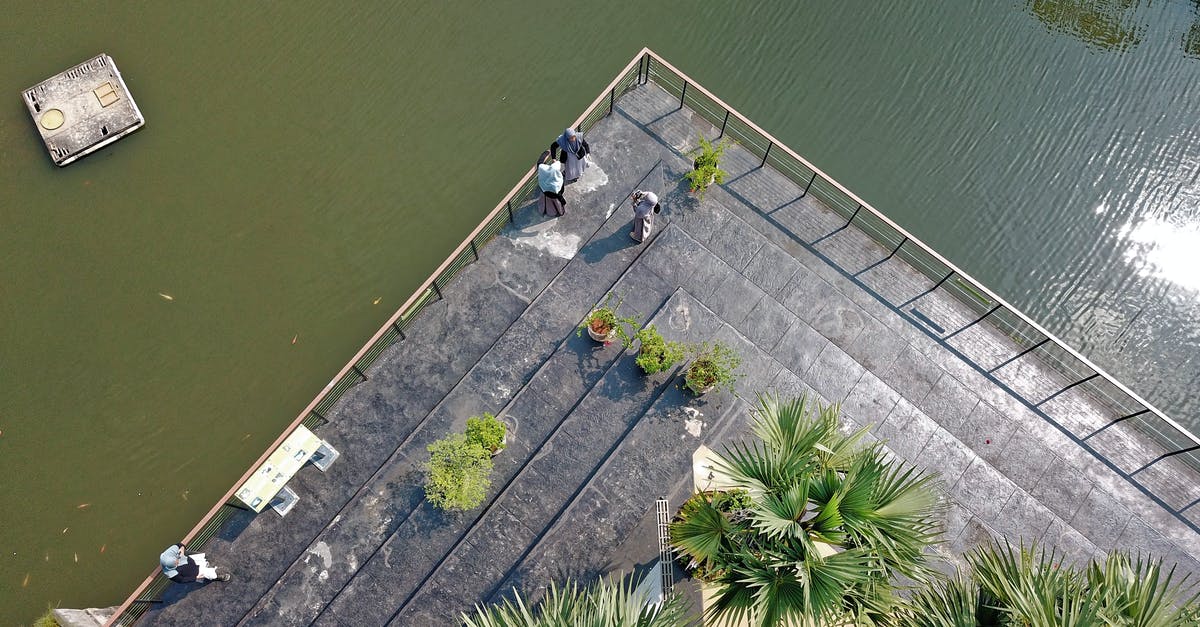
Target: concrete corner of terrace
[(818, 292)]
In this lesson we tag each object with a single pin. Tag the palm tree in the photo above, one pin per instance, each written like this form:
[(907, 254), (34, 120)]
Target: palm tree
[(604, 604), (828, 526), (1032, 587)]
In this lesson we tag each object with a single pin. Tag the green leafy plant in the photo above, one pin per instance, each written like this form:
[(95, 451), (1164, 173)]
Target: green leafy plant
[(656, 354), (603, 604), (823, 531), (458, 473), (486, 431), (713, 365), (1028, 586), (604, 321), (706, 166), (731, 504), (46, 620)]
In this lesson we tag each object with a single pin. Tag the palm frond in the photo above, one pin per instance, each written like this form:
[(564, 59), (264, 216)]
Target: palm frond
[(779, 515), (702, 535), (1137, 592), (603, 604)]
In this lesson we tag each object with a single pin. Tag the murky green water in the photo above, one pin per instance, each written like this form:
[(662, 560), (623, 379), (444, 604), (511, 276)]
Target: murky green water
[(302, 160)]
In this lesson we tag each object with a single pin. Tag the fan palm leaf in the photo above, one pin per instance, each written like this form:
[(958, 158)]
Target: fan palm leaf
[(775, 591), (779, 515), (702, 535)]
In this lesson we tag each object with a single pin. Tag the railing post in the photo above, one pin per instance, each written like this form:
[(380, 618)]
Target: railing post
[(723, 124), (437, 290), (399, 330), (475, 250), (360, 372), (810, 181), (767, 152), (647, 75), (682, 94), (612, 93), (508, 205)]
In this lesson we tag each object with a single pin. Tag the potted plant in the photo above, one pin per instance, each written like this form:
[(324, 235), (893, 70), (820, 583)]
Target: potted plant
[(656, 354), (713, 365), (488, 432), (705, 167), (457, 474), (603, 324)]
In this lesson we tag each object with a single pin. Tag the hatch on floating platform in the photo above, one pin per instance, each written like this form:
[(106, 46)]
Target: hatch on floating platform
[(83, 109)]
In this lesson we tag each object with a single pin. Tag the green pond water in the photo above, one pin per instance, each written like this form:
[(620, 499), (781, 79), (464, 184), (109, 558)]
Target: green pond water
[(302, 160)]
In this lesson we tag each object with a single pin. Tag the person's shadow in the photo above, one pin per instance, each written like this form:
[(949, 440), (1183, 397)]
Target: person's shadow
[(598, 249)]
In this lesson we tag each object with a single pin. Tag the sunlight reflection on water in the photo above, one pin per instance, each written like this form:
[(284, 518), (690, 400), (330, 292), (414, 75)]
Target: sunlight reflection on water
[(1160, 249)]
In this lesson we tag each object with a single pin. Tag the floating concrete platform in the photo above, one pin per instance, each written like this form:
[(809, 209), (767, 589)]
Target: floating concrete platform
[(83, 109)]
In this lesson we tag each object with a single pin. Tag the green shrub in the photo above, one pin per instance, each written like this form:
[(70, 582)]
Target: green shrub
[(458, 473), (705, 170), (714, 365), (656, 354), (486, 431)]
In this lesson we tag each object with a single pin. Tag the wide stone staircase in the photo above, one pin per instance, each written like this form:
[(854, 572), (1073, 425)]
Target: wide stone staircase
[(593, 441)]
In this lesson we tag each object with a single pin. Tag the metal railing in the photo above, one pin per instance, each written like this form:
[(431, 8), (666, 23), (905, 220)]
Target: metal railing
[(1029, 340), (355, 371)]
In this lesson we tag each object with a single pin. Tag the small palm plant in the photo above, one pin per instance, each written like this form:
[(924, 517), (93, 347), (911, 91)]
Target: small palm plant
[(1008, 586), (830, 527), (604, 604)]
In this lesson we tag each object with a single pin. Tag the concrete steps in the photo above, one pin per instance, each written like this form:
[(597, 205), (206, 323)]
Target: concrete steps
[(614, 451), (362, 527)]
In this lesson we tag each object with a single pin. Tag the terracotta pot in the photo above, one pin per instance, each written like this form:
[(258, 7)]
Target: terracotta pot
[(607, 337)]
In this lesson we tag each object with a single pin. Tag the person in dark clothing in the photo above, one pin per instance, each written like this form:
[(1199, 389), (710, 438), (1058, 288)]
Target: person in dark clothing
[(550, 181), (570, 149)]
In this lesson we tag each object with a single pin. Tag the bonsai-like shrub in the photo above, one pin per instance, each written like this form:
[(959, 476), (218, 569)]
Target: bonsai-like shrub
[(486, 431), (604, 320), (656, 354), (458, 473), (713, 365), (705, 168)]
